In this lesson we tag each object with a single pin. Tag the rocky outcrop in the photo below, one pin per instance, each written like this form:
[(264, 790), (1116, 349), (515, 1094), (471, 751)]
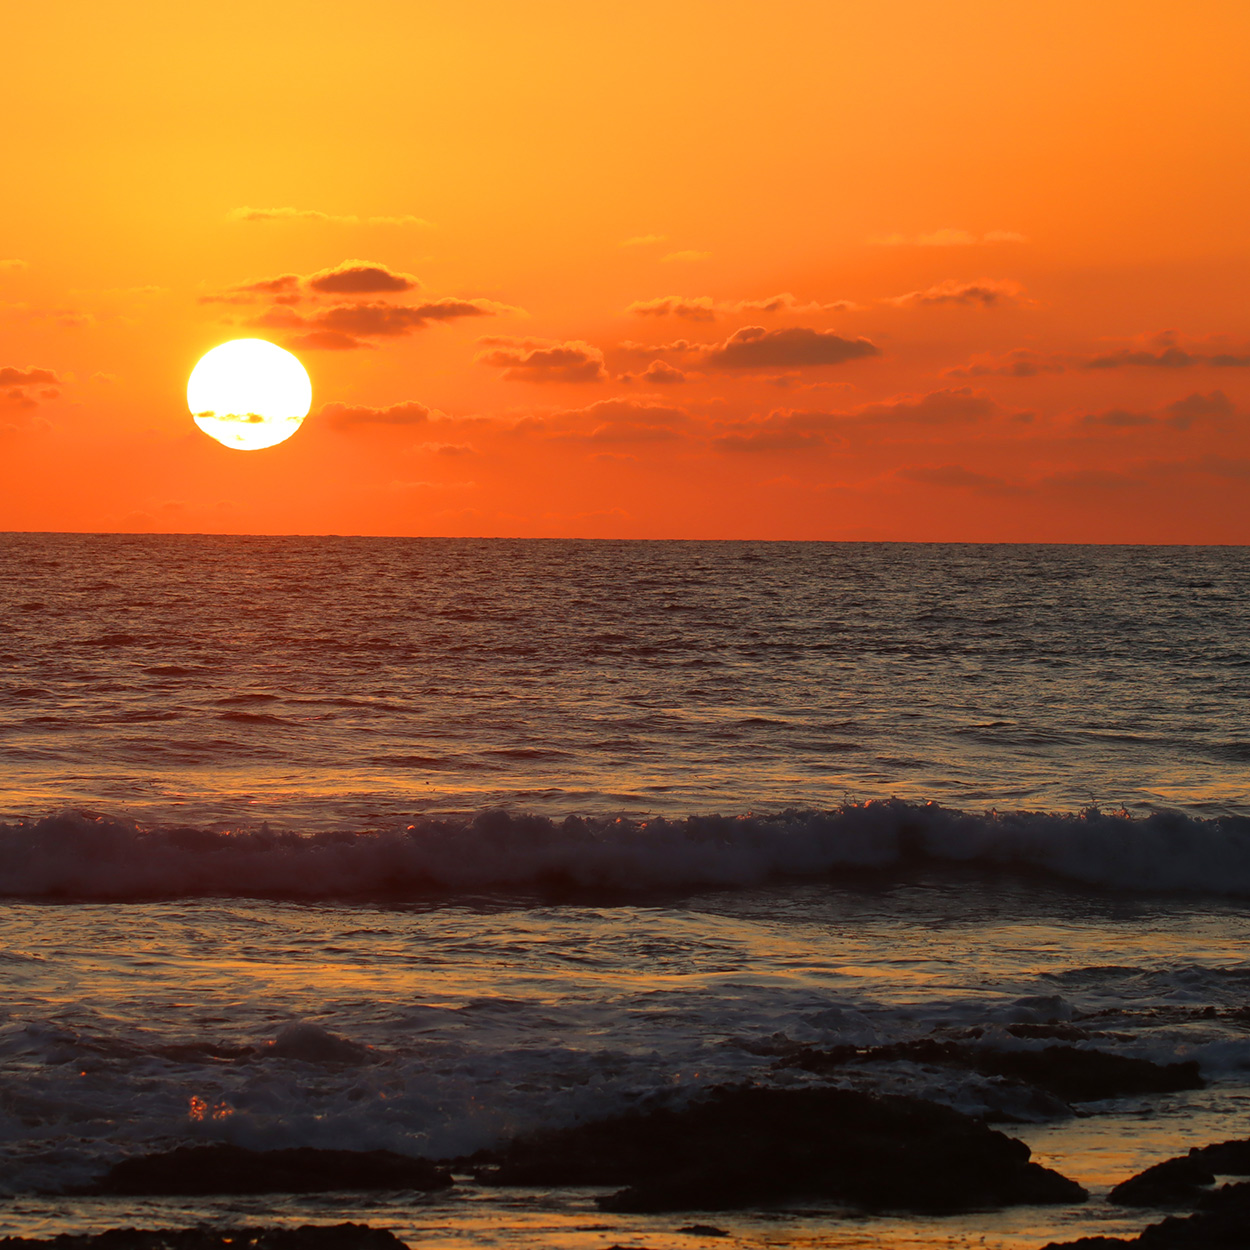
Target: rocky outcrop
[(1069, 1072), (745, 1147)]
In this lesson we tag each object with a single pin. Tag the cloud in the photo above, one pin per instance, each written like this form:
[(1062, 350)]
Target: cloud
[(334, 329), (359, 277), (623, 421), (348, 416), (956, 477), (311, 214), (948, 238), (684, 257), (769, 440), (329, 341), (541, 360), (644, 240), (987, 292), (948, 407), (1020, 363), (13, 266), (1184, 412), (705, 308), (1168, 358), (10, 375), (754, 347), (1215, 406), (349, 277), (659, 373)]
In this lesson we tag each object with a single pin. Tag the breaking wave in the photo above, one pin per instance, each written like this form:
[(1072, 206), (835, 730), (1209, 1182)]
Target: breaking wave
[(77, 856)]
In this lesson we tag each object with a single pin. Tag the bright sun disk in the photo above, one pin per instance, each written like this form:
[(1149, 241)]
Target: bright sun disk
[(249, 394)]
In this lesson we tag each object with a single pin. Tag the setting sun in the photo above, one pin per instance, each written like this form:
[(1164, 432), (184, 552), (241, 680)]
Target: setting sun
[(249, 394)]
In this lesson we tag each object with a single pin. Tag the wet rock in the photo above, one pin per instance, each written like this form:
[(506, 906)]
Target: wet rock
[(1222, 1224), (748, 1146), (306, 1237), (313, 1044), (703, 1230), (1175, 1182), (225, 1169), (1181, 1181), (1070, 1072)]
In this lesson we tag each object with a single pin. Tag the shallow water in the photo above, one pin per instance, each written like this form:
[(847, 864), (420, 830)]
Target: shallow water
[(388, 963)]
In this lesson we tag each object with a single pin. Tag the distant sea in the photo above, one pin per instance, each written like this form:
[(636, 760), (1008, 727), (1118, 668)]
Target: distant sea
[(422, 843)]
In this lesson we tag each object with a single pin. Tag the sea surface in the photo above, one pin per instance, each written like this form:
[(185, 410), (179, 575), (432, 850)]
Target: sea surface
[(419, 844)]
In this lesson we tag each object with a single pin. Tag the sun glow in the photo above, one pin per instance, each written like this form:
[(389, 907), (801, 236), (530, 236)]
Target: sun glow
[(249, 394)]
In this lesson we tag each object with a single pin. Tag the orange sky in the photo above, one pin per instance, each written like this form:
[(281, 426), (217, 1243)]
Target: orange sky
[(815, 269)]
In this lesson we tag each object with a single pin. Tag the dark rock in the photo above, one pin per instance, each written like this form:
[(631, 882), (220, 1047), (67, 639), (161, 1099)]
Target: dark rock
[(1226, 1158), (744, 1147), (225, 1169), (1222, 1224), (1176, 1182), (1070, 1072), (306, 1237), (703, 1230), (1181, 1181)]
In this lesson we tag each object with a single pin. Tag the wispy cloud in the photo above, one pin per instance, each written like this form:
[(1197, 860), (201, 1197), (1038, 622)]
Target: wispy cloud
[(247, 213), (983, 292), (705, 308)]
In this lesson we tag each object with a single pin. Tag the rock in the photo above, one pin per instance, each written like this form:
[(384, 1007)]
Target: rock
[(225, 1169), (306, 1237), (1222, 1224), (1176, 1182), (703, 1230), (1070, 1072), (1181, 1181), (750, 1146), (313, 1044)]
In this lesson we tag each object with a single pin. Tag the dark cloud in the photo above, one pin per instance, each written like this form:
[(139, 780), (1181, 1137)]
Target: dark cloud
[(956, 477), (1168, 358), (985, 292), (539, 360), (329, 341), (360, 277), (657, 373), (343, 327), (1180, 415), (10, 375), (347, 416), (1020, 363), (705, 308), (769, 439), (1184, 412), (1119, 418), (949, 407), (754, 347)]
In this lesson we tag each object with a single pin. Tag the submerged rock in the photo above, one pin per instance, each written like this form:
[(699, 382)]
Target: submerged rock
[(306, 1237), (1070, 1072), (225, 1169), (744, 1147)]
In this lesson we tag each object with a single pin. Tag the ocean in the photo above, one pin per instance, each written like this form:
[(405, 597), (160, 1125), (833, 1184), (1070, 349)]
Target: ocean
[(420, 844)]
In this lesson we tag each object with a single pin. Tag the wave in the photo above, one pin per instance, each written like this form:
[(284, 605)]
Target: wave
[(79, 856)]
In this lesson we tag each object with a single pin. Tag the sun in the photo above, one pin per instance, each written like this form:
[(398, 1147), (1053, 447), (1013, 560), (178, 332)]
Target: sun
[(249, 394)]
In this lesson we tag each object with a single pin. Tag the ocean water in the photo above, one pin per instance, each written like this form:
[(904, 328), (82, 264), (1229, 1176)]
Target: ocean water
[(418, 844)]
